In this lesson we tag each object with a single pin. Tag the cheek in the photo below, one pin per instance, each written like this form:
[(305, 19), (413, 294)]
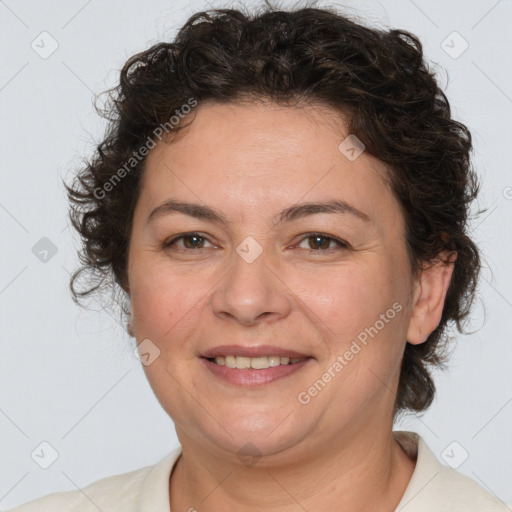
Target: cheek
[(363, 316), (152, 312), (165, 303), (347, 298), (155, 302)]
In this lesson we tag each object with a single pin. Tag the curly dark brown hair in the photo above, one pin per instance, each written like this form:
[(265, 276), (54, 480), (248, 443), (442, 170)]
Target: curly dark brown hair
[(378, 76)]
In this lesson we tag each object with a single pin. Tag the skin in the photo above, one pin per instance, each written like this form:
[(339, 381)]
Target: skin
[(250, 161)]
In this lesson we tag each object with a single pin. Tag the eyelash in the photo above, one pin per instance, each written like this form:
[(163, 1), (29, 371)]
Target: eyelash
[(340, 243)]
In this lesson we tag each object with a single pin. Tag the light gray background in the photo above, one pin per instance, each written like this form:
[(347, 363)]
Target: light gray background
[(68, 376)]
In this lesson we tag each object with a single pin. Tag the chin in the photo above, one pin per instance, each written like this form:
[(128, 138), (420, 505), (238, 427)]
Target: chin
[(242, 438)]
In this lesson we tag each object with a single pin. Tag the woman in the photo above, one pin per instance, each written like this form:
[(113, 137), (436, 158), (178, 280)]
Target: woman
[(282, 199)]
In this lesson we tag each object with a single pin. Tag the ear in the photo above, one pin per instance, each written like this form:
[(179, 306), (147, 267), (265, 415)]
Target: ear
[(129, 322), (129, 327), (429, 293)]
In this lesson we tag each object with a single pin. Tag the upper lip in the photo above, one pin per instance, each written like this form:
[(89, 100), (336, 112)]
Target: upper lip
[(255, 351)]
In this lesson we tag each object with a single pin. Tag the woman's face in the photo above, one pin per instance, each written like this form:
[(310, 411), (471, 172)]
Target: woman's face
[(249, 278)]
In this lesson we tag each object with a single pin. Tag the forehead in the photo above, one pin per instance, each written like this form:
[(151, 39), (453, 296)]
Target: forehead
[(252, 155), (268, 128)]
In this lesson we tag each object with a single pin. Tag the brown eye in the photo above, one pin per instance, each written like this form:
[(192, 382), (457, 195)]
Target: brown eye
[(319, 242), (193, 241), (190, 241)]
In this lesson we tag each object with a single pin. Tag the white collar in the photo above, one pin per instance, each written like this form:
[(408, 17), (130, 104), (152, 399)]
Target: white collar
[(433, 486)]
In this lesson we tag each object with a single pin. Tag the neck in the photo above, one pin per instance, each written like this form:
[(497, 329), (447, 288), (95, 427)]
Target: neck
[(333, 476)]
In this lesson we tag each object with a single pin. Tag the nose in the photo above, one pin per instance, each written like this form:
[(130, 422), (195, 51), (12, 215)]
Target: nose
[(251, 292)]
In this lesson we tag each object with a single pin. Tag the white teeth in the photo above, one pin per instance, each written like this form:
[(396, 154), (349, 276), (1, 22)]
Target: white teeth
[(257, 363), (230, 361), (243, 362), (274, 361)]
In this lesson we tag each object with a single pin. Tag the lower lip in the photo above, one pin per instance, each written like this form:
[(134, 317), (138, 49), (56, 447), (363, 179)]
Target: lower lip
[(250, 377)]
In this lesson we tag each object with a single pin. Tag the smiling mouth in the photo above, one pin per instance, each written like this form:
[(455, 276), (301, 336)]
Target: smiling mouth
[(254, 363)]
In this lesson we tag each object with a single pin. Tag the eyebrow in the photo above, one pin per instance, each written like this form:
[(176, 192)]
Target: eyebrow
[(293, 212)]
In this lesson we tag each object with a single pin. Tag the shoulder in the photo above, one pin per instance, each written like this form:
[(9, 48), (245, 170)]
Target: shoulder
[(461, 493), (434, 486), (99, 495), (124, 492)]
